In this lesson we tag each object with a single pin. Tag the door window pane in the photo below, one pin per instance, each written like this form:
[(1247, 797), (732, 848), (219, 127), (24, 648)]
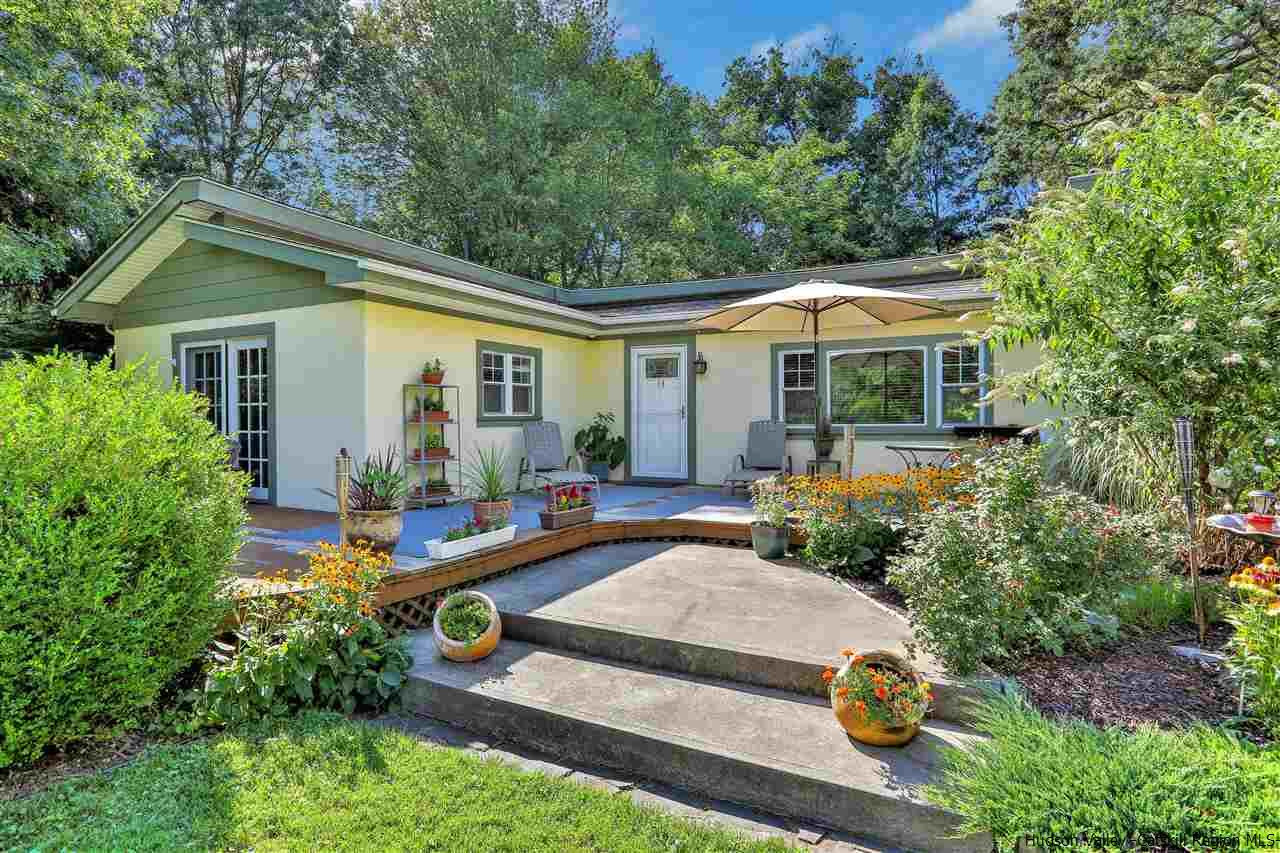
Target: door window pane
[(662, 367)]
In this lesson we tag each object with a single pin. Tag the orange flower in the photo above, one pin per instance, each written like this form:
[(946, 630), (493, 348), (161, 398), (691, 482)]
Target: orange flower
[(842, 692), (857, 659), (828, 674), (882, 694), (861, 706), (847, 652)]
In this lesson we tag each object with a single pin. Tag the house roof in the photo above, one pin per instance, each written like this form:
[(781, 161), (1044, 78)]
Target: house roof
[(357, 258)]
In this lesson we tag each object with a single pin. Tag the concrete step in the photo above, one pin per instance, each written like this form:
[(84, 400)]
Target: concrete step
[(707, 611), (770, 749)]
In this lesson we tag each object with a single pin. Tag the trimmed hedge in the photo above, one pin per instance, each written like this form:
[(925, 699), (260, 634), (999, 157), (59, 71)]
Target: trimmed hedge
[(119, 518)]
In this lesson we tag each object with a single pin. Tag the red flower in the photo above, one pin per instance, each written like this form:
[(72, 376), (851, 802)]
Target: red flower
[(573, 491), (547, 488), (586, 489), (882, 694)]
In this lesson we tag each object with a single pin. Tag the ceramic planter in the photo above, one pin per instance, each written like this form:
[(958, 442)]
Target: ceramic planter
[(438, 549), (599, 470), (482, 646), (770, 543), (567, 517), (381, 528), (870, 731), (488, 511), (433, 378)]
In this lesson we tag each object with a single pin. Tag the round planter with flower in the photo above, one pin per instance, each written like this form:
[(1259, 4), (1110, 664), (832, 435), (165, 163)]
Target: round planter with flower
[(878, 698)]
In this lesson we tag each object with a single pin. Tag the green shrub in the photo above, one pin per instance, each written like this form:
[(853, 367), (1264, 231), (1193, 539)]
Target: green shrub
[(1071, 786), (464, 619), (118, 520), (318, 646), (1014, 570), (856, 545)]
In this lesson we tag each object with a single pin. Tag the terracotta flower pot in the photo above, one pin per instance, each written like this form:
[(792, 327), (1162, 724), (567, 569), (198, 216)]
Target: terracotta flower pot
[(381, 528), (487, 511), (483, 646), (437, 453), (860, 727), (433, 378), (437, 416)]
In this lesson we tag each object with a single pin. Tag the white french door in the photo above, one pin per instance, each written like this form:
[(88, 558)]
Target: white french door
[(659, 418), (235, 375)]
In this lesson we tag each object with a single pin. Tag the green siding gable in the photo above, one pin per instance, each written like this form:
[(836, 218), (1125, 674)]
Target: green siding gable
[(200, 280)]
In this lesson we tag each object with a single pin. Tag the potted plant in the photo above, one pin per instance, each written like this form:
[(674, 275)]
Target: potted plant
[(484, 475), (435, 446), (878, 698), (472, 536), (567, 504), (433, 372), (600, 451), (375, 500), (434, 407), (466, 627), (770, 535)]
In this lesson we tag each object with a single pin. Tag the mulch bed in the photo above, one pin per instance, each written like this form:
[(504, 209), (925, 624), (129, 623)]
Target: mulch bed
[(1131, 681), (80, 760)]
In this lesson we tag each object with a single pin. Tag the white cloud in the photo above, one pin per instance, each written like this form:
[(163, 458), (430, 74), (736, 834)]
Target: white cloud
[(978, 22), (796, 47)]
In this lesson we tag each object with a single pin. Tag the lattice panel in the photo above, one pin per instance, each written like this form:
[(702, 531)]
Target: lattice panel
[(410, 614)]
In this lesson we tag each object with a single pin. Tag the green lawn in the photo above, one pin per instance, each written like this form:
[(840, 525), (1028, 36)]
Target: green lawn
[(321, 782)]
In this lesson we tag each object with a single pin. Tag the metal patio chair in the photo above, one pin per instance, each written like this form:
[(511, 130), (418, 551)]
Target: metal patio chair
[(766, 456), (545, 459)]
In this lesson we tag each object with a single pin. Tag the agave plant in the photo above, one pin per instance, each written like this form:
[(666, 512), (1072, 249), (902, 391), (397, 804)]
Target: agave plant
[(379, 483), (485, 471)]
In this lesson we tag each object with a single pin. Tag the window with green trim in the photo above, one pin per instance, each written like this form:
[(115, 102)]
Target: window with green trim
[(878, 387), (508, 379)]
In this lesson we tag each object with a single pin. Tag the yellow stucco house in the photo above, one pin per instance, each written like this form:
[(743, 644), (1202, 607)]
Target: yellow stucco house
[(303, 331)]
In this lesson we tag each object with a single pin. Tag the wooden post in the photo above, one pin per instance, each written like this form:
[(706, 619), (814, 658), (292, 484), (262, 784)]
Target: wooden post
[(848, 451), (342, 486)]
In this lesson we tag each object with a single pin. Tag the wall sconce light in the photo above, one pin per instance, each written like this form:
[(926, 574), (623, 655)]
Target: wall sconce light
[(700, 365)]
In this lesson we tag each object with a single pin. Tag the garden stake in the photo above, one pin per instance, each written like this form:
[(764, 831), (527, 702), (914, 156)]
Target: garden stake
[(1184, 438), (342, 482)]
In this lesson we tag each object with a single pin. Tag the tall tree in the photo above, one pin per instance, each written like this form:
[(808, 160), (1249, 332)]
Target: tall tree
[(1078, 63), (936, 152), (72, 119), (510, 132), (770, 101), (919, 156), (239, 86)]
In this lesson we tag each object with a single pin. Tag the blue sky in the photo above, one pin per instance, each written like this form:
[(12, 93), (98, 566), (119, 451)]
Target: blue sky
[(962, 39)]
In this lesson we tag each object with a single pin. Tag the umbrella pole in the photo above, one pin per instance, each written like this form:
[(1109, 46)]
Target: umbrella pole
[(817, 396)]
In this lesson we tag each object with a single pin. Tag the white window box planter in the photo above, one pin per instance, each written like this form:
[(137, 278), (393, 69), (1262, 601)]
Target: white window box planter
[(438, 549)]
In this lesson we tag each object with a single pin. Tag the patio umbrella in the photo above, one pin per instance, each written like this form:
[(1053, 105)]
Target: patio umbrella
[(819, 303)]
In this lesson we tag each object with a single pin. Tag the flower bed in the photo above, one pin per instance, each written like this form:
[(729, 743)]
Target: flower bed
[(919, 488)]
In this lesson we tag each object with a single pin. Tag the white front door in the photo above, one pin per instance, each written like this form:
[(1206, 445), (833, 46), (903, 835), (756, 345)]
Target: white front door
[(659, 420)]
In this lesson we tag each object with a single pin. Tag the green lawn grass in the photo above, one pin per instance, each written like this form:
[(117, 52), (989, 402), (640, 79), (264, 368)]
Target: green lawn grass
[(321, 782)]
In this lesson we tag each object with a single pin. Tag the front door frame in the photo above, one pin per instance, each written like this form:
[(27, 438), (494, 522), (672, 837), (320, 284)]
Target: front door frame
[(690, 388), (180, 341)]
